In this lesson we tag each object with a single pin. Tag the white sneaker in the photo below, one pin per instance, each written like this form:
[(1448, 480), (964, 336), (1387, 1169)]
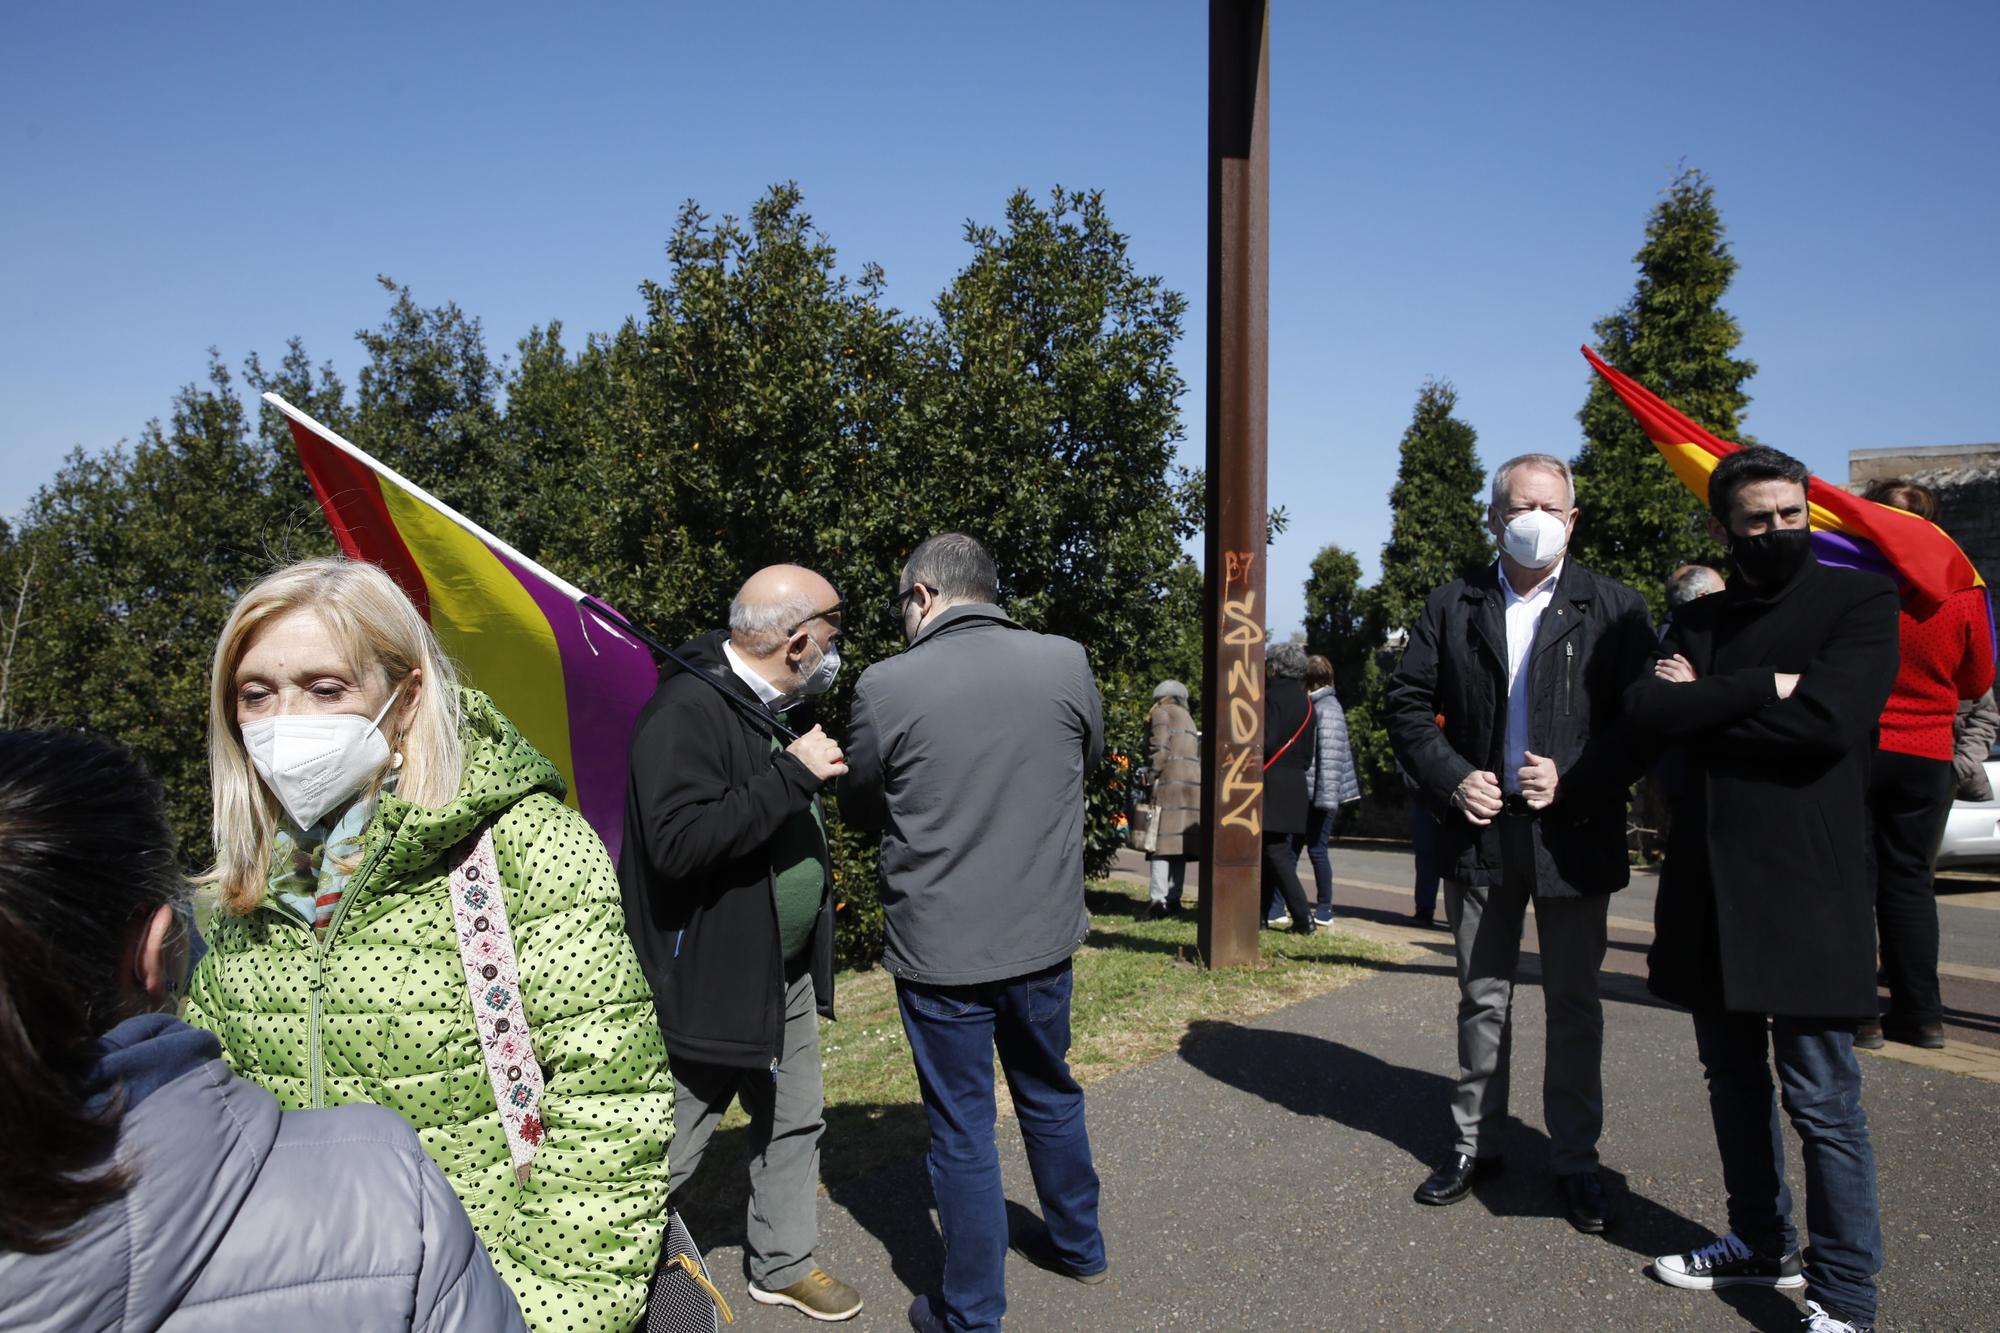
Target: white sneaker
[(1727, 1262), (1821, 1320)]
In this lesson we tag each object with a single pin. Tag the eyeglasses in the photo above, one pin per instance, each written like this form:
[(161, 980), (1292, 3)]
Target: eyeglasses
[(896, 607), (831, 616)]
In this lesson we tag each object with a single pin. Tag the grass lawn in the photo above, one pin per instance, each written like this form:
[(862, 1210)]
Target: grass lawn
[(1137, 990)]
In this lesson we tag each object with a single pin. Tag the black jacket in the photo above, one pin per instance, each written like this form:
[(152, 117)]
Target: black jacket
[(1766, 904), (1286, 710), (1594, 640), (704, 800)]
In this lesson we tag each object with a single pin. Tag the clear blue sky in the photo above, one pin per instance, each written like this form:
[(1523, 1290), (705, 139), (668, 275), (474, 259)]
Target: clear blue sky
[(1457, 191)]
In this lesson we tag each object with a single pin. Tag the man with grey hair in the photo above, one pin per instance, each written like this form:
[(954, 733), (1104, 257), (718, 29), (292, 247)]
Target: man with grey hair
[(728, 898), (1689, 582), (1507, 712), (969, 753)]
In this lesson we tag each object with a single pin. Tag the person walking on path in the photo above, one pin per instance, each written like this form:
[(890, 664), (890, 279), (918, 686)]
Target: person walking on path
[(1173, 753), (146, 1185), (1765, 923), (1508, 708), (1290, 743), (1944, 657), (1331, 782), (727, 885), (349, 771), (968, 753)]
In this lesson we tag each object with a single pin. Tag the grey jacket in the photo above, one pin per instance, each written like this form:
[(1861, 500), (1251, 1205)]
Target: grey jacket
[(1332, 781), (243, 1217), (969, 751)]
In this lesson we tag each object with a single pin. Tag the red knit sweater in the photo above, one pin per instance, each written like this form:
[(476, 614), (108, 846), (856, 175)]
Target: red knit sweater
[(1947, 656)]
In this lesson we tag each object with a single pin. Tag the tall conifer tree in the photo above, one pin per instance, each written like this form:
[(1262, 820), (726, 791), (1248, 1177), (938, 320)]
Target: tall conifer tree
[(1437, 531), (1673, 336)]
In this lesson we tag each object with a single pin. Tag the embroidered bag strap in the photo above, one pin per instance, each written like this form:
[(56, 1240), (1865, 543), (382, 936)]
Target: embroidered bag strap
[(493, 976)]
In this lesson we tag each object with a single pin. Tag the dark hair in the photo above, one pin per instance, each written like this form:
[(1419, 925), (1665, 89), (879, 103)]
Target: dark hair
[(1898, 493), (954, 566), (1748, 465), (85, 856), (1319, 672)]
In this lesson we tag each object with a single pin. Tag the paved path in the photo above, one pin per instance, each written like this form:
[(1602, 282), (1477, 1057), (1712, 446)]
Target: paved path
[(1261, 1178)]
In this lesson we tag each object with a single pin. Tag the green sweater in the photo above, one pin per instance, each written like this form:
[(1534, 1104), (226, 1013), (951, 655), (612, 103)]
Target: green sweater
[(377, 1011)]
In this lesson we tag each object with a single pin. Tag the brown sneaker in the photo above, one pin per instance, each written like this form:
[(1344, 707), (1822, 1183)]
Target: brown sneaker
[(817, 1295)]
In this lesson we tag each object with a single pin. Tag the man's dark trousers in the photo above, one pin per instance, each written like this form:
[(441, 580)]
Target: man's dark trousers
[(1821, 1087), (954, 1032), (1486, 925)]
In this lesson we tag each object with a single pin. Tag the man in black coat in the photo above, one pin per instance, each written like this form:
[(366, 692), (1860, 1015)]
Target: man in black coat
[(727, 886), (1771, 690), (1291, 740), (1506, 711)]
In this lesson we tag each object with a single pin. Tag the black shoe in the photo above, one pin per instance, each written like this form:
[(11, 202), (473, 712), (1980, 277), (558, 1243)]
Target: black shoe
[(1930, 1036), (1039, 1248), (923, 1316), (1453, 1181), (1589, 1209), (1867, 1036), (1157, 912), (1727, 1262)]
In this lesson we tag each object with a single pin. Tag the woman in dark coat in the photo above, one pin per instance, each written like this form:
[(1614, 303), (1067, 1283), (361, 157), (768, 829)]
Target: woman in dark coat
[(1289, 747)]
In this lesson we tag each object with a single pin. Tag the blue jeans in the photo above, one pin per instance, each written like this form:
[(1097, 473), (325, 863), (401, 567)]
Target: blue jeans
[(1821, 1087), (953, 1032), (1424, 843), (1319, 823)]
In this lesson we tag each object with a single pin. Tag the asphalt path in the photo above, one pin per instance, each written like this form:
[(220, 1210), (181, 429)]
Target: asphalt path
[(1260, 1176)]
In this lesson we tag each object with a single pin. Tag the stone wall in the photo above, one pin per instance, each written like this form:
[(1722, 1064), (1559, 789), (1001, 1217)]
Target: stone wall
[(1966, 479)]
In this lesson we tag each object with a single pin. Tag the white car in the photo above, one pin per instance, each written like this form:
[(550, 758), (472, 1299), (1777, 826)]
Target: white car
[(1972, 830)]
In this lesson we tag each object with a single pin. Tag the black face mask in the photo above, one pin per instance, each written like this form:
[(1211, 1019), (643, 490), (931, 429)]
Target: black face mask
[(1770, 559)]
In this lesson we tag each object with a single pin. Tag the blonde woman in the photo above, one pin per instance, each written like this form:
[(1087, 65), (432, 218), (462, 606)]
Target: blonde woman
[(348, 767)]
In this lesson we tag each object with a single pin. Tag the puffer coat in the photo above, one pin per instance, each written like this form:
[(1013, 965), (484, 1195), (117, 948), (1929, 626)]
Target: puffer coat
[(1331, 782), (1173, 752), (377, 1011), (242, 1218)]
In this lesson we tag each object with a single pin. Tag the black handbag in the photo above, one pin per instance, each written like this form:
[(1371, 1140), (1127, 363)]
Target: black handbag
[(683, 1298)]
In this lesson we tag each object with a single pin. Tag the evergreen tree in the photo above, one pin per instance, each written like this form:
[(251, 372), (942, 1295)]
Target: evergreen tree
[(1344, 624), (1673, 336), (1437, 527)]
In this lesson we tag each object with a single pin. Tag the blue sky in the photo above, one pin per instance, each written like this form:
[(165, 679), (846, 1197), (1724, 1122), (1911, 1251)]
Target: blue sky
[(1457, 191)]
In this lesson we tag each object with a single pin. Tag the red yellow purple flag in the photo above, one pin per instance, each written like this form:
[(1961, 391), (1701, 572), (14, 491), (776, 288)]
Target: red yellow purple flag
[(565, 668), (1847, 530)]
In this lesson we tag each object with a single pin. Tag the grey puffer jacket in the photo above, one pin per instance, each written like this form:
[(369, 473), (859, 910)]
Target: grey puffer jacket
[(243, 1217), (1332, 781)]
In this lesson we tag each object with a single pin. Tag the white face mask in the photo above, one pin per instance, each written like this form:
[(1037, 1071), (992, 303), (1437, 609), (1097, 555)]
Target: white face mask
[(313, 762), (820, 679), (1535, 539)]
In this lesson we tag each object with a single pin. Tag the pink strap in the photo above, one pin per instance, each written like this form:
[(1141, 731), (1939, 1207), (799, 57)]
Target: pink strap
[(486, 947)]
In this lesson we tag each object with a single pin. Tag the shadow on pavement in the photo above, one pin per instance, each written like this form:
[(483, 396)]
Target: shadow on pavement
[(1406, 1108)]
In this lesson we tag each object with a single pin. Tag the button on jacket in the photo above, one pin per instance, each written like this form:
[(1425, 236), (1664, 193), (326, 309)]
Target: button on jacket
[(1594, 639)]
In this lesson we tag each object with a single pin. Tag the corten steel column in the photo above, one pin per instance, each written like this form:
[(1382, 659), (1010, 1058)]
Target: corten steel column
[(1232, 696)]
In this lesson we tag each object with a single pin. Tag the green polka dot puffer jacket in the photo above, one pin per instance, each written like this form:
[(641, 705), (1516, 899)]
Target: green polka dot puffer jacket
[(377, 1011)]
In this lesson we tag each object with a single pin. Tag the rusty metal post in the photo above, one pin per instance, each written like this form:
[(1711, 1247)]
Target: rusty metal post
[(1232, 696)]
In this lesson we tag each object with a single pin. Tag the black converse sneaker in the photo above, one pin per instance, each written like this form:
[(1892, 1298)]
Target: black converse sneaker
[(1727, 1262)]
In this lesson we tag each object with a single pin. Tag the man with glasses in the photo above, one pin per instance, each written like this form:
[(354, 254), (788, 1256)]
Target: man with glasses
[(728, 898), (969, 753)]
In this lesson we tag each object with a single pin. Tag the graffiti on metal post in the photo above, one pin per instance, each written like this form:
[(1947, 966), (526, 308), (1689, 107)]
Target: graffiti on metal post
[(1243, 688)]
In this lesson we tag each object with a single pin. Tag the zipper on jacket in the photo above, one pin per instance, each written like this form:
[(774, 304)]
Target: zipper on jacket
[(1569, 676), (315, 1071)]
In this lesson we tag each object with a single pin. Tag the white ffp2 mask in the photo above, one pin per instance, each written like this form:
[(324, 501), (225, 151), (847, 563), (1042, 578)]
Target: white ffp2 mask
[(313, 762), (1536, 538)]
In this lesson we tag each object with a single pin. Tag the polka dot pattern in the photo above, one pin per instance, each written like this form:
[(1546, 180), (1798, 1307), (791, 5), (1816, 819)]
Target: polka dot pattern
[(579, 1241)]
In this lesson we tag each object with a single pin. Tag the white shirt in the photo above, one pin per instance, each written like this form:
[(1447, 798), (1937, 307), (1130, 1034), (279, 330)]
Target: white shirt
[(769, 693), (1524, 621)]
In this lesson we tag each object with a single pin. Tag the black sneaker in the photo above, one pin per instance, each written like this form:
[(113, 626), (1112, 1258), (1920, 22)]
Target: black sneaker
[(1727, 1262)]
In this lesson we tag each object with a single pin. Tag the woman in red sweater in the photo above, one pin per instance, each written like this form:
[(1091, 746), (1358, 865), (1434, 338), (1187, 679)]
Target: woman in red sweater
[(1947, 656)]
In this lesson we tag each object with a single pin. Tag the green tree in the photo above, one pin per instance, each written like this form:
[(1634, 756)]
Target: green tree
[(1344, 624), (1673, 336), (1437, 529)]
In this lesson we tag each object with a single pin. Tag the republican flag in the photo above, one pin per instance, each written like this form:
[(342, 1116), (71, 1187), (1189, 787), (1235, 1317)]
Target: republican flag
[(1847, 530), (565, 668)]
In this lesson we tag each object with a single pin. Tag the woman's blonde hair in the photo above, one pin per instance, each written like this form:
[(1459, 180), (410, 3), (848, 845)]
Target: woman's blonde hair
[(376, 628)]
